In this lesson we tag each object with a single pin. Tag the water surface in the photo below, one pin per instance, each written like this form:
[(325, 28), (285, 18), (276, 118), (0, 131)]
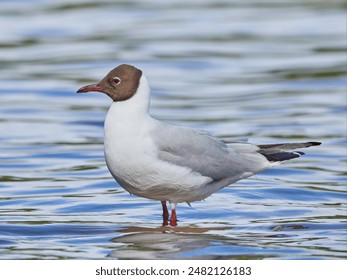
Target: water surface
[(269, 72)]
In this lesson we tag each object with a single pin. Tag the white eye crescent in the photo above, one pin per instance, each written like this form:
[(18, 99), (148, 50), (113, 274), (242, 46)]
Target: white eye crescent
[(116, 81)]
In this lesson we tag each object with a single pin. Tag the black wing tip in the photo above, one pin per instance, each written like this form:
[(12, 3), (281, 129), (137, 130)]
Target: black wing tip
[(282, 156), (278, 156), (314, 143)]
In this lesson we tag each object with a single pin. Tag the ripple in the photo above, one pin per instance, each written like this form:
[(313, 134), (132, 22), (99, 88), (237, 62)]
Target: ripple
[(248, 69)]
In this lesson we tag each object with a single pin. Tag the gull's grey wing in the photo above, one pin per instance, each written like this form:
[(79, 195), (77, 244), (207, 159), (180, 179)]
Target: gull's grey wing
[(207, 155)]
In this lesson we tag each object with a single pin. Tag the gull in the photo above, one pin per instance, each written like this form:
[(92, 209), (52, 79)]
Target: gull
[(170, 163)]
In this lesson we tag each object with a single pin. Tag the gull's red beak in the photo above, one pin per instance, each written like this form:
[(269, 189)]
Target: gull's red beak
[(88, 88)]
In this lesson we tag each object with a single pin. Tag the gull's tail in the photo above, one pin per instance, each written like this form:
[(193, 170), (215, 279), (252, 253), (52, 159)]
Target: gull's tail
[(281, 152)]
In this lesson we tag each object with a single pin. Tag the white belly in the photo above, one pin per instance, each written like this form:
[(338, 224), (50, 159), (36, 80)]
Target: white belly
[(132, 160)]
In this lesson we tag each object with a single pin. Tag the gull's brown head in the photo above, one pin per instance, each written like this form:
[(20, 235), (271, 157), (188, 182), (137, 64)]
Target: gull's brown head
[(120, 84)]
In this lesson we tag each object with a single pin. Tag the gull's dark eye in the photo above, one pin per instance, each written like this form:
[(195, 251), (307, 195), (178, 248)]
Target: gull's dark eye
[(116, 81)]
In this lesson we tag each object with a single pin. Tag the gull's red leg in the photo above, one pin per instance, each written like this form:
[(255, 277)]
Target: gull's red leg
[(173, 219), (165, 213)]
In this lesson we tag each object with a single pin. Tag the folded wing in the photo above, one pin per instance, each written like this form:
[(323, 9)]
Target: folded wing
[(207, 155)]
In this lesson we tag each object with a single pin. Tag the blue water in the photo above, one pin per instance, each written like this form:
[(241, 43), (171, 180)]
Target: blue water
[(269, 73)]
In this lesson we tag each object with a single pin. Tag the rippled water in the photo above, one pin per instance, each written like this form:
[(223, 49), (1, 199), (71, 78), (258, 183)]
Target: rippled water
[(269, 72)]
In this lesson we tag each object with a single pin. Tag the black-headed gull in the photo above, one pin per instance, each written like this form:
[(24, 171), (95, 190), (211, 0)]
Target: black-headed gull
[(164, 162)]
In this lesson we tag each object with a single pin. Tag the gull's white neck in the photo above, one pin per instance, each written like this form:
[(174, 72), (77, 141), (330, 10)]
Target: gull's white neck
[(133, 108)]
